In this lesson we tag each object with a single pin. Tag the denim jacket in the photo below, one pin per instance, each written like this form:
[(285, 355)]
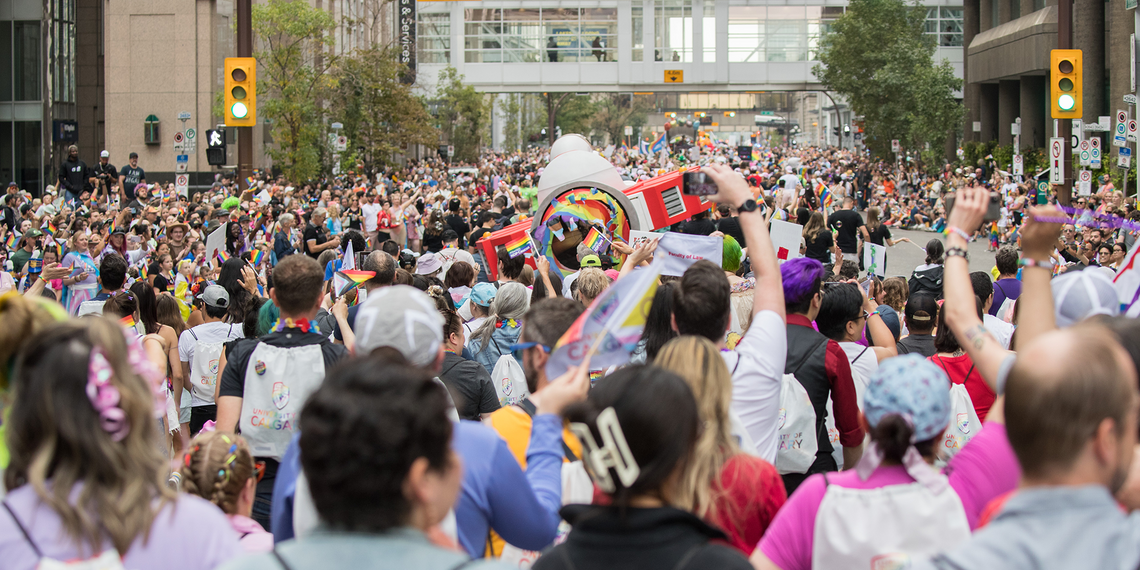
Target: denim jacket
[(501, 340)]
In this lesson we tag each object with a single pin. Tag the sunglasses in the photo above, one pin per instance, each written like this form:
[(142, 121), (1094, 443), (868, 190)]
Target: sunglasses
[(517, 349)]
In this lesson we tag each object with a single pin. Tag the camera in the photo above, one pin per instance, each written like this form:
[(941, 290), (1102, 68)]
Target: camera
[(697, 184)]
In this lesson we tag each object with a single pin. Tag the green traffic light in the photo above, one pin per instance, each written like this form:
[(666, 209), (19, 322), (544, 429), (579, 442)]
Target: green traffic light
[(239, 110), (1066, 102)]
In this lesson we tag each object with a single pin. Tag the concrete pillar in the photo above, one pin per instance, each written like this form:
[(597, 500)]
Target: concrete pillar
[(1009, 105), (988, 112), (1004, 13), (986, 10), (971, 92), (1089, 37), (1033, 112)]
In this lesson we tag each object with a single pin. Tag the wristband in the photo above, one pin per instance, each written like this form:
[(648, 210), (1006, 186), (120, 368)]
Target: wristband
[(958, 232), (958, 252), (1027, 262)]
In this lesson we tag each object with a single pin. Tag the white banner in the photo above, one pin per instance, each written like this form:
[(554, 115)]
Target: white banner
[(678, 251), (875, 259)]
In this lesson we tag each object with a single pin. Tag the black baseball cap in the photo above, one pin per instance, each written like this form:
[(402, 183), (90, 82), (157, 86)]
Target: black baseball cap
[(922, 308)]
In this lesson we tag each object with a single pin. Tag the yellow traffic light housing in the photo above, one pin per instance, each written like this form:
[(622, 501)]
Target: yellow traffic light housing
[(1066, 87), (241, 92)]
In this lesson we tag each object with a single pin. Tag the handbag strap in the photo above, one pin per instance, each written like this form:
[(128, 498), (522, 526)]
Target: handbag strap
[(23, 530)]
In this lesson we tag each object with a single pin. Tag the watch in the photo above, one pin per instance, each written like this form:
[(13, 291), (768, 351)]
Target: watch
[(749, 205)]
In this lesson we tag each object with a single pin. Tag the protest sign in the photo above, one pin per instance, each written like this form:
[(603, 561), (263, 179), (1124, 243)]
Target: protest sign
[(786, 238), (678, 251), (875, 259), (636, 237), (216, 243)]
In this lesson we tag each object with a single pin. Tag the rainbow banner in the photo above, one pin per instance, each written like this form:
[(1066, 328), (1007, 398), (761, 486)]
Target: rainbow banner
[(11, 241), (519, 246), (595, 240), (256, 256)]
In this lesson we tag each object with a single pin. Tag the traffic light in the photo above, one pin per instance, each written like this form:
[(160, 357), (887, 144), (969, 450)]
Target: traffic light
[(1066, 87), (241, 92), (846, 130), (836, 131), (216, 147)]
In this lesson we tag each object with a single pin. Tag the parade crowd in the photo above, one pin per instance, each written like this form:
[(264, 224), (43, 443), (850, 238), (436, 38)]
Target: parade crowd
[(337, 373)]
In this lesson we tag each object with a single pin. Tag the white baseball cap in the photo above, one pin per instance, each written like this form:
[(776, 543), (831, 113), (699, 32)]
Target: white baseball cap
[(104, 154)]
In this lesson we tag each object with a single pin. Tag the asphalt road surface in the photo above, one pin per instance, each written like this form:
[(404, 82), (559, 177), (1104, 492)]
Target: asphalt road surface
[(904, 257)]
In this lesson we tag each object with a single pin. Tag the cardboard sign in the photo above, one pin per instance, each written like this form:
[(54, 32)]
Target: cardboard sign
[(677, 251), (786, 239)]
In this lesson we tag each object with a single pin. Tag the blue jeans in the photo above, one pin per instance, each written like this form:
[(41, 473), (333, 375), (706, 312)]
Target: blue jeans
[(263, 502)]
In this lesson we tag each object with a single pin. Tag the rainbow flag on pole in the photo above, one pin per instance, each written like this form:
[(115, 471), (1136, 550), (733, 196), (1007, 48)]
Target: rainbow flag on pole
[(256, 256), (223, 256), (825, 196), (595, 240), (345, 281), (49, 228), (11, 241), (519, 246)]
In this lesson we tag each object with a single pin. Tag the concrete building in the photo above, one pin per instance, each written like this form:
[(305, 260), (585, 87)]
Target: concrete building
[(1007, 64)]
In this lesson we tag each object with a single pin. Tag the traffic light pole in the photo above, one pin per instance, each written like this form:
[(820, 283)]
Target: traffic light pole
[(244, 14), (1064, 41)]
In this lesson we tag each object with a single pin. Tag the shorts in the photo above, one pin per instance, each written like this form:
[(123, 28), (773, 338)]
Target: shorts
[(184, 409)]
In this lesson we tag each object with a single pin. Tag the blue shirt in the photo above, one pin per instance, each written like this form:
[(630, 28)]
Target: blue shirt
[(281, 246)]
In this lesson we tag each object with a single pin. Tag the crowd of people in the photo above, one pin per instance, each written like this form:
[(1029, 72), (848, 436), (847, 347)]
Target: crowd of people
[(349, 379)]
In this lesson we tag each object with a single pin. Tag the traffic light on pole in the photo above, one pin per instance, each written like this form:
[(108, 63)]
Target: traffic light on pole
[(215, 147), (241, 92), (1066, 87)]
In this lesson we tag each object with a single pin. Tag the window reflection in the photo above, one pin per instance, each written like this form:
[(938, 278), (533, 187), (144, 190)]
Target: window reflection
[(554, 35)]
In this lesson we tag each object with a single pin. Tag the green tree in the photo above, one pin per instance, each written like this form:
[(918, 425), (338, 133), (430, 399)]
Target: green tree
[(379, 112), (614, 111), (522, 119), (293, 79), (463, 114), (878, 57)]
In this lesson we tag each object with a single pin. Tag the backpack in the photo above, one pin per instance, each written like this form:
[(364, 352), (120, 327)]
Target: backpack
[(796, 424), (204, 367), (964, 422), (509, 381)]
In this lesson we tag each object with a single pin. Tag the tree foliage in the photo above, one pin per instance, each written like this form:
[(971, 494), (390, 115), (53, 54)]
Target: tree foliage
[(524, 117), (614, 111), (878, 58), (293, 78), (379, 112), (464, 114)]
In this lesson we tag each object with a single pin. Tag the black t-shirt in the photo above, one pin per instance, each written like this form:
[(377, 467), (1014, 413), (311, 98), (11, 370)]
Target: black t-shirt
[(470, 386), (161, 284), (819, 249), (478, 234), (698, 227), (459, 226), (879, 235), (316, 233), (131, 178), (917, 343), (354, 219), (107, 169), (731, 227), (73, 175), (847, 223)]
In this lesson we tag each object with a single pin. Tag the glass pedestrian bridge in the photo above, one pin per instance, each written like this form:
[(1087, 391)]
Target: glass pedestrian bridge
[(641, 45)]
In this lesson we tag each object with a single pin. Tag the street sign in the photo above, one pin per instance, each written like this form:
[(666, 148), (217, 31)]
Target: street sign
[(895, 146), (1056, 161), (1131, 130), (1101, 126), (336, 126), (1018, 165), (1086, 153), (341, 143), (1094, 160), (179, 142), (181, 162), (1130, 98), (191, 133), (1124, 158), (977, 126), (1078, 135), (674, 76), (1084, 183), (184, 116), (1119, 137), (450, 150), (182, 185), (190, 145), (628, 130), (1095, 142)]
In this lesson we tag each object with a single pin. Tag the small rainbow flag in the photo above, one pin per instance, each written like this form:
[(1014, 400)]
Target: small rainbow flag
[(128, 321), (49, 228), (825, 196), (11, 241), (595, 240), (519, 246), (223, 256), (143, 271), (345, 281), (256, 256)]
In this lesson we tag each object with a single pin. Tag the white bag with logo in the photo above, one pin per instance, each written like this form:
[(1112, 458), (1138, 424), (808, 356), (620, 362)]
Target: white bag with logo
[(964, 425), (796, 424), (509, 381)]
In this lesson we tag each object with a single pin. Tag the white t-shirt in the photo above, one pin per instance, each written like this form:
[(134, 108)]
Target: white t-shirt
[(863, 364), (757, 366), (1001, 330), (370, 213), (207, 332)]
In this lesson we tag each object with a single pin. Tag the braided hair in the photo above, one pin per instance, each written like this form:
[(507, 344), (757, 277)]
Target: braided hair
[(216, 468)]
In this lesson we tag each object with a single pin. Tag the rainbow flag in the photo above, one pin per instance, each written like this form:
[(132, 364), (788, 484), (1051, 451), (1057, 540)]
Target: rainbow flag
[(256, 220), (49, 228), (825, 196), (256, 256), (223, 256), (128, 321), (11, 241), (595, 240), (755, 153), (519, 246), (143, 271), (345, 281)]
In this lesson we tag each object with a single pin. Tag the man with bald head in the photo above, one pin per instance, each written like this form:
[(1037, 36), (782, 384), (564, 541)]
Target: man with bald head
[(384, 265), (1071, 417)]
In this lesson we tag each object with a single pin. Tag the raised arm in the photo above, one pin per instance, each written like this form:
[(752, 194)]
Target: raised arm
[(1036, 315), (733, 190)]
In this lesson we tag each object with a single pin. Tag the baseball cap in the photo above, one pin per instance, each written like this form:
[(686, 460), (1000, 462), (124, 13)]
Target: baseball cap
[(104, 154), (403, 318), (215, 296), (1083, 294), (912, 387), (133, 155), (591, 261), (429, 263), (891, 319), (921, 308), (483, 293)]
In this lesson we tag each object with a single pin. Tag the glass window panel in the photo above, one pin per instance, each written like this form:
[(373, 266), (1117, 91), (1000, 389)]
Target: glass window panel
[(26, 61), (570, 14), (708, 29), (832, 12), (27, 154), (7, 169), (482, 15), (599, 14), (638, 15), (522, 15), (6, 72), (786, 12)]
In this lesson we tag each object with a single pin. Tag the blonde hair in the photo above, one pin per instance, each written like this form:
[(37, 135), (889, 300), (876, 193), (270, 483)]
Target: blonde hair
[(591, 282), (216, 468), (697, 361)]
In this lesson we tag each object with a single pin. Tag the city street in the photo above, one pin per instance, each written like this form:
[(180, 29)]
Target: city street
[(904, 257)]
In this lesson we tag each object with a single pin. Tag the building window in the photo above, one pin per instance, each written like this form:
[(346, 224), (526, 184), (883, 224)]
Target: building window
[(433, 38), (20, 61), (20, 154), (494, 35), (673, 31), (62, 56), (150, 130), (709, 30), (1014, 9), (945, 24), (1038, 5), (638, 16), (746, 25)]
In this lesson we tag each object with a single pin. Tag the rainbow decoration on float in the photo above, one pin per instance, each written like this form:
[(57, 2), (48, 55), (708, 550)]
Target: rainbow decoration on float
[(588, 205)]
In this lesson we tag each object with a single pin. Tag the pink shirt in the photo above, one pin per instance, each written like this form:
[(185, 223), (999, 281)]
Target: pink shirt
[(252, 537), (984, 469)]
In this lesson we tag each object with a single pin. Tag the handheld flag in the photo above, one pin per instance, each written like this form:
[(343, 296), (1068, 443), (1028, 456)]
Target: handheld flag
[(256, 257), (49, 228), (223, 257), (345, 281), (595, 240), (11, 241), (658, 145), (349, 262), (519, 246)]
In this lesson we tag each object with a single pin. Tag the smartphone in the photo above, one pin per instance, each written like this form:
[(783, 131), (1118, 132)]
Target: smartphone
[(993, 210), (697, 184)]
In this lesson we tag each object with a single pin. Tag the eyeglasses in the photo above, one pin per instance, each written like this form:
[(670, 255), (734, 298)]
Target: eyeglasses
[(517, 349)]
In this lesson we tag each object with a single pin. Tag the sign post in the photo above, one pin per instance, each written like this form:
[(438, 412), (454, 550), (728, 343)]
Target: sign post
[(1018, 165), (1056, 161), (1084, 183)]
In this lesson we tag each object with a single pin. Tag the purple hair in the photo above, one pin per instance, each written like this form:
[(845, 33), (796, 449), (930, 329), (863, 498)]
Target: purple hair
[(801, 277)]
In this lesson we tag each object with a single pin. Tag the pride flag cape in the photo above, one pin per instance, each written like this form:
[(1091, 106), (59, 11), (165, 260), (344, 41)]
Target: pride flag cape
[(519, 246)]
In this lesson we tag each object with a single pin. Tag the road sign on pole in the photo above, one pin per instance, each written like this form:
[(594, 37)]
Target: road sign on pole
[(1084, 183), (182, 184), (1131, 130), (1056, 161), (1124, 158), (1078, 135), (1086, 153), (341, 143), (1119, 137), (181, 162), (1018, 165)]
